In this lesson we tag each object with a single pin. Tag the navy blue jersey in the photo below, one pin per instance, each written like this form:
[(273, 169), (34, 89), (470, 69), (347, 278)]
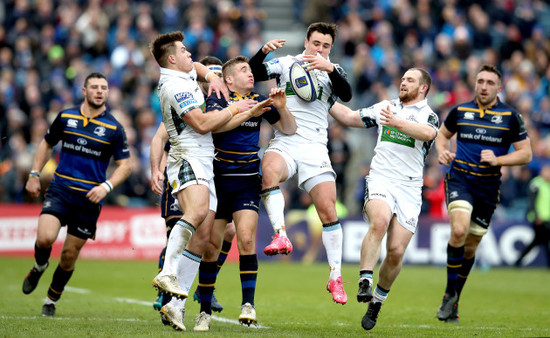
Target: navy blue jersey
[(237, 149), (494, 128), (87, 145)]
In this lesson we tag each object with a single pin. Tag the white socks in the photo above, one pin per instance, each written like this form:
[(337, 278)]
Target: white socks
[(179, 237), (332, 240), (274, 203)]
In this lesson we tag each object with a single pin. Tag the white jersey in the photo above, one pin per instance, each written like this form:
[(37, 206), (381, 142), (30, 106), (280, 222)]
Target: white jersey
[(311, 117), (180, 93), (398, 155)]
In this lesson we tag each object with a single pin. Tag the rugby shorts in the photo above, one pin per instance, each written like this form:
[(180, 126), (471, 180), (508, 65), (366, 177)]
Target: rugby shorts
[(237, 193)]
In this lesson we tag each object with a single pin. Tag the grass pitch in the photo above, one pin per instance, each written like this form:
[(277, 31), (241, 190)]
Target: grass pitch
[(115, 299)]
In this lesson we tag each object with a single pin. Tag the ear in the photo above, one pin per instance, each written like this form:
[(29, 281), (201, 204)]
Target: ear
[(305, 42), (83, 91), (228, 79), (171, 59)]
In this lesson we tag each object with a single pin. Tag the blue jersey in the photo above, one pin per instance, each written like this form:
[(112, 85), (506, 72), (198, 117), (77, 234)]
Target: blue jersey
[(494, 128), (237, 149), (87, 145)]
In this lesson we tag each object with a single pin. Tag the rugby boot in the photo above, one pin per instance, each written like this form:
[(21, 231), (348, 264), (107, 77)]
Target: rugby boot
[(279, 245), (336, 288)]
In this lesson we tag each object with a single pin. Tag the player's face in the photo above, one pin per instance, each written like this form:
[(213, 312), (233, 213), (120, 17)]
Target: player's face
[(487, 87), (96, 92), (410, 86), (318, 43), (242, 77), (182, 58)]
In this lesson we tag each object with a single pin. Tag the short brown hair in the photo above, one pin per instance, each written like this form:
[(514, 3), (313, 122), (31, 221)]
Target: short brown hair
[(94, 76), (211, 60), (323, 28), (491, 69), (425, 78), (163, 45), (227, 67)]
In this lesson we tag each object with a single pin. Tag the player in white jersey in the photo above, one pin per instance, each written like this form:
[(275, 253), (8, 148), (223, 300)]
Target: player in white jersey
[(190, 171), (407, 127), (305, 153)]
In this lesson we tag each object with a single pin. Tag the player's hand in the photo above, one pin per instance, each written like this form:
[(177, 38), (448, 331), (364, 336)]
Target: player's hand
[(446, 157), (245, 105), (218, 86), (33, 187), (260, 108), (318, 62), (157, 182), (488, 156), (387, 118), (278, 96), (273, 45), (97, 194)]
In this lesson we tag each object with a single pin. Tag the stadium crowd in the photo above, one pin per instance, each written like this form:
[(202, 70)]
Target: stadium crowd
[(47, 46)]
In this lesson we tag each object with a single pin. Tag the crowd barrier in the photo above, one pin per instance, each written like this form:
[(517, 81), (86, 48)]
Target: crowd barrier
[(139, 234)]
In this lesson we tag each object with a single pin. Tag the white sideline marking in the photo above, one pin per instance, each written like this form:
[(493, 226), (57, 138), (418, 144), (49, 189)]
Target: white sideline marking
[(77, 290), (77, 318), (219, 319)]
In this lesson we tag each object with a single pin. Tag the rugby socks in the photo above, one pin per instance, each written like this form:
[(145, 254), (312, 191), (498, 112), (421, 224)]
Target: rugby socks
[(207, 279), (467, 265), (248, 267), (274, 203), (366, 274), (161, 258), (179, 237), (59, 280), (226, 246), (455, 257), (188, 266), (380, 294), (332, 240), (41, 256)]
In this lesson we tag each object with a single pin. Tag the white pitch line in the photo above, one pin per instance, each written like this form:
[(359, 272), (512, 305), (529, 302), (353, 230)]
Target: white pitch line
[(216, 318), (77, 318), (77, 290)]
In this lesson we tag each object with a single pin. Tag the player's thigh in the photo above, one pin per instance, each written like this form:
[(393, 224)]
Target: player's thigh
[(194, 199), (274, 169), (48, 230)]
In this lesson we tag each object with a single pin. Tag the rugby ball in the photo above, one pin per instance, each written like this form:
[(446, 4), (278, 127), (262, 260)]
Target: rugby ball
[(303, 83)]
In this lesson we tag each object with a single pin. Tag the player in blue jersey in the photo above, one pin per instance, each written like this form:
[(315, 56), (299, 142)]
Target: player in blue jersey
[(170, 209), (485, 129), (89, 137), (238, 183)]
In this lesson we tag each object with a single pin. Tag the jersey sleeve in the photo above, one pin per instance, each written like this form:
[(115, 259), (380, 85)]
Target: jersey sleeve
[(54, 134), (274, 68), (517, 127), (450, 121), (183, 101), (213, 103), (433, 121), (122, 150), (370, 116)]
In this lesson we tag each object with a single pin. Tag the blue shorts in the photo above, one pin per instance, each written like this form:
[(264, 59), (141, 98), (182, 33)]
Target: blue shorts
[(169, 206), (483, 195), (72, 209), (237, 193)]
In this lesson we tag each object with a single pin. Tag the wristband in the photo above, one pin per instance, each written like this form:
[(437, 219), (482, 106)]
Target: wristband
[(206, 76), (229, 111), (34, 174), (107, 185), (499, 162), (233, 109)]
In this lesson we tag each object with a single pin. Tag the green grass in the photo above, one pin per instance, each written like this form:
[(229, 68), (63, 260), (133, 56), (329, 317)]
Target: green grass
[(291, 301)]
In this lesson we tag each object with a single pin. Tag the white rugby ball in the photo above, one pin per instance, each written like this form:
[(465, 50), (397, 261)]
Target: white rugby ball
[(303, 83)]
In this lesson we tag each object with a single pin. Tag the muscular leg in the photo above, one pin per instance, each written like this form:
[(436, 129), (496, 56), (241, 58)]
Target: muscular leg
[(69, 255), (274, 171), (246, 222), (471, 244), (397, 242), (379, 216)]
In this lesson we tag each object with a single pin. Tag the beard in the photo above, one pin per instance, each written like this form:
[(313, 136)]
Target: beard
[(408, 96), (485, 101), (94, 105)]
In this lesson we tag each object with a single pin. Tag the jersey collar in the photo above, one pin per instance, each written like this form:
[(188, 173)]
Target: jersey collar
[(192, 75)]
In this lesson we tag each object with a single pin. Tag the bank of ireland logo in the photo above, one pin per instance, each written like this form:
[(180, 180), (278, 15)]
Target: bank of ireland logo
[(100, 131)]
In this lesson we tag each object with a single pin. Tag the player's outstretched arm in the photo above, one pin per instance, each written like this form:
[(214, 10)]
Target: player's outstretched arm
[(217, 85), (258, 109), (42, 155), (419, 131), (346, 116), (256, 62)]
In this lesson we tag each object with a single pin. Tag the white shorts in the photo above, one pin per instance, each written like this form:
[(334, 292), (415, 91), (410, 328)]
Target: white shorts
[(185, 171), (404, 201), (305, 158)]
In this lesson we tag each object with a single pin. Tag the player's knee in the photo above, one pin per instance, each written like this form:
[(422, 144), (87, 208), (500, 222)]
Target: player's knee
[(394, 256)]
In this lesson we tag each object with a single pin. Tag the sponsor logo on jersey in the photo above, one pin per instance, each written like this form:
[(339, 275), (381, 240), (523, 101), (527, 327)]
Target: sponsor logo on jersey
[(411, 221), (175, 206), (497, 119), (250, 204), (453, 194), (84, 231), (481, 130), (187, 103), (182, 96), (325, 164), (82, 141), (100, 131), (469, 115), (412, 118), (47, 204), (252, 124), (377, 194), (72, 123), (395, 136)]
